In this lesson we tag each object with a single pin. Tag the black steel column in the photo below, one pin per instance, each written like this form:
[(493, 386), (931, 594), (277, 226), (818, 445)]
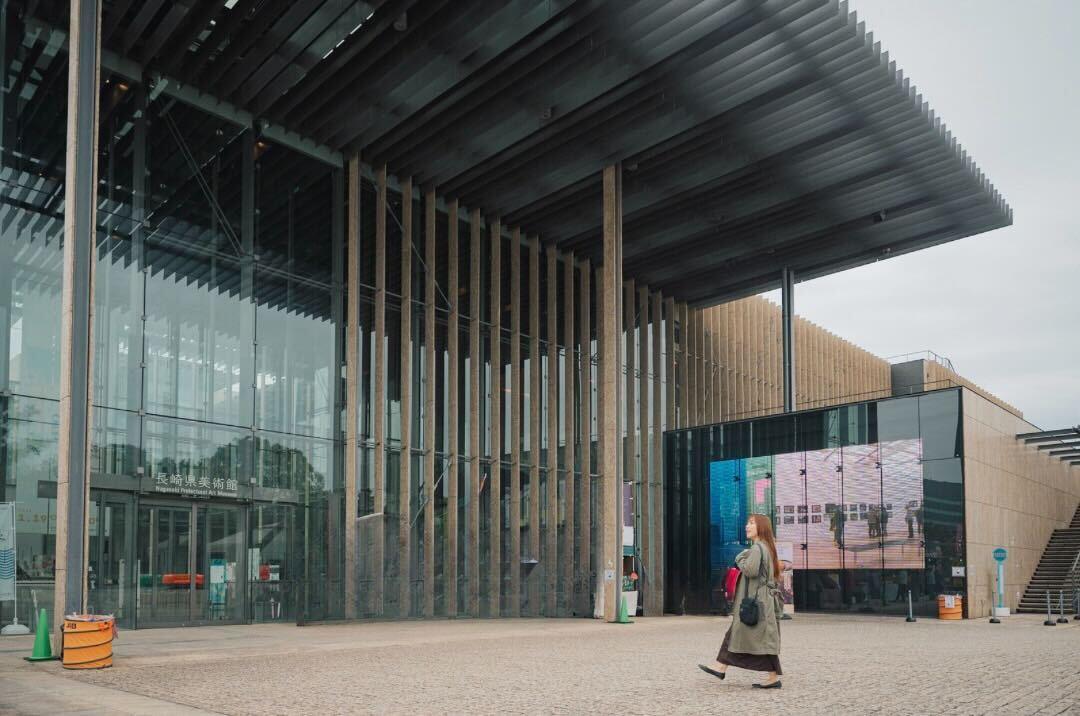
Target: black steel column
[(76, 370), (787, 290)]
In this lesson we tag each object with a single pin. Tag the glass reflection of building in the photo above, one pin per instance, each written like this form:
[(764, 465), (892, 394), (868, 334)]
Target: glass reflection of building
[(215, 456), (868, 498), (218, 398)]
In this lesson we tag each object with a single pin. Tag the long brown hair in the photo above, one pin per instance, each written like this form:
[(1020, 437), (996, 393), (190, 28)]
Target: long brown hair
[(765, 534)]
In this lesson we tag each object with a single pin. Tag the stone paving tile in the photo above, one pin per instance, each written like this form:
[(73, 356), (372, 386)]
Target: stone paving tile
[(861, 665)]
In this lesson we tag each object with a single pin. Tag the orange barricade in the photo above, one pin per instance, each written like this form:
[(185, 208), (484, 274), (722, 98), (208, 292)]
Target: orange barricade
[(88, 641), (954, 612)]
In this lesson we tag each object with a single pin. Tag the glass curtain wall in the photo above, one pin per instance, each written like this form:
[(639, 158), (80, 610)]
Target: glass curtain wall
[(217, 336), (866, 501), (225, 290), (33, 117), (218, 344)]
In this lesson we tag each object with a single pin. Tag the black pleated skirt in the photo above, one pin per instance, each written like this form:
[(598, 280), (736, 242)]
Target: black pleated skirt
[(750, 662)]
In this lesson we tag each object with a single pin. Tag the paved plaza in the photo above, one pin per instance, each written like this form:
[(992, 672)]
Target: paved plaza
[(854, 664)]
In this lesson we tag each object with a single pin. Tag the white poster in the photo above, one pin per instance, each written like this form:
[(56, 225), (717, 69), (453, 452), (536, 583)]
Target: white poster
[(7, 551), (785, 552)]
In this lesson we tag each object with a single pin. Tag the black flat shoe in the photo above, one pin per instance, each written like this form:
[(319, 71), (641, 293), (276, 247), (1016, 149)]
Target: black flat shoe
[(773, 685), (718, 674)]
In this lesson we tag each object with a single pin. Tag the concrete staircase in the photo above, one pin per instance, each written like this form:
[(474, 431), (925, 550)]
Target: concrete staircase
[(1053, 572)]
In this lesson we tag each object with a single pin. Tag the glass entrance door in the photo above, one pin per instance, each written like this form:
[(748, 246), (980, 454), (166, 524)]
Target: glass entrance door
[(190, 564), (164, 560), (219, 556), (111, 574)]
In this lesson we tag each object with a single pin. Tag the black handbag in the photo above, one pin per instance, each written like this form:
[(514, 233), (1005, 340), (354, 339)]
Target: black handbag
[(750, 607)]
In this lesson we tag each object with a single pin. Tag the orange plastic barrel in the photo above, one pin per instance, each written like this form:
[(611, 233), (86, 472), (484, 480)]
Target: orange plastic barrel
[(954, 612), (88, 641)]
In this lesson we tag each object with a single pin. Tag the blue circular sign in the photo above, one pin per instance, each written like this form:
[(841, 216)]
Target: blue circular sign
[(999, 554)]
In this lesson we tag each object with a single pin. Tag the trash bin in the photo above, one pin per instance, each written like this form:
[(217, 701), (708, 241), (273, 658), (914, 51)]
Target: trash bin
[(88, 641), (950, 606)]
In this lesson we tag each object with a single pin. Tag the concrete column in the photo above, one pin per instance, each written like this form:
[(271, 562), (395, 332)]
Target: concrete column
[(431, 475), (655, 566), (405, 510), (534, 423), (352, 389), (379, 380), (644, 494), (76, 319), (787, 336), (515, 424), (450, 559), (584, 560), (569, 554), (472, 548), (551, 549), (495, 481), (610, 363)]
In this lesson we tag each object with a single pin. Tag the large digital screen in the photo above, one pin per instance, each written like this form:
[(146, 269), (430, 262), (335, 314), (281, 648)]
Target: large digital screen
[(854, 507)]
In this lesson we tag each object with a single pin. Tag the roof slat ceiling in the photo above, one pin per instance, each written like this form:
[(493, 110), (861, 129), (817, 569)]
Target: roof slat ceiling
[(755, 134)]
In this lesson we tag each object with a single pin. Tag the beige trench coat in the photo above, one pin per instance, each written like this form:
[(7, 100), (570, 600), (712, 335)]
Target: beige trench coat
[(764, 638)]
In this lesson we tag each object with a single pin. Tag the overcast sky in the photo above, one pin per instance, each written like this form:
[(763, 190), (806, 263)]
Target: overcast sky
[(1003, 306)]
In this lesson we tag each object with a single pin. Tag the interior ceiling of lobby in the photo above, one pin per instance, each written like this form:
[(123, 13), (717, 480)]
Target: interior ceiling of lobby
[(753, 134)]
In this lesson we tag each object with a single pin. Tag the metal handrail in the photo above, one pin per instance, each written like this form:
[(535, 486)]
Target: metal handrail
[(926, 355)]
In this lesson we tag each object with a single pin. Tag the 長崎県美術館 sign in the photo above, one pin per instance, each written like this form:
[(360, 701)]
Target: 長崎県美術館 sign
[(193, 485)]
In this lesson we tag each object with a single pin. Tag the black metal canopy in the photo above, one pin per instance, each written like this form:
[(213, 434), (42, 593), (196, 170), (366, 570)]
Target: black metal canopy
[(1063, 443), (753, 134)]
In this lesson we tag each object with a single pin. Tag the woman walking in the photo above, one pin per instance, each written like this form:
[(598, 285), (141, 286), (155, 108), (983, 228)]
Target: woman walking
[(750, 643)]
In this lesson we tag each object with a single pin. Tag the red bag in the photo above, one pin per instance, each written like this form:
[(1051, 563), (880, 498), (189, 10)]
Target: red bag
[(731, 580)]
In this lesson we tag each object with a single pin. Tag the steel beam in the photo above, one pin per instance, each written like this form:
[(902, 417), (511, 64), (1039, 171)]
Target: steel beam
[(1049, 434), (1059, 443), (787, 331)]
